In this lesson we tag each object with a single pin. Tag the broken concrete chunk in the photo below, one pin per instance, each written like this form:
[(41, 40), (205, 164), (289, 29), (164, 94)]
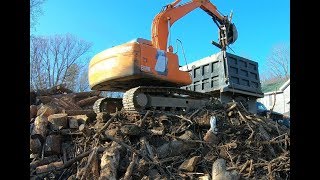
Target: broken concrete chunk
[(189, 164)]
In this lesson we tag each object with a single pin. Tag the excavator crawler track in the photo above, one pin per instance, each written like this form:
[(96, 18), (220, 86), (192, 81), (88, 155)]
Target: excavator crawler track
[(107, 105), (143, 98)]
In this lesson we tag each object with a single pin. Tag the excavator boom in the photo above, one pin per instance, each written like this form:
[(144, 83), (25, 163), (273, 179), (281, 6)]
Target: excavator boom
[(173, 12)]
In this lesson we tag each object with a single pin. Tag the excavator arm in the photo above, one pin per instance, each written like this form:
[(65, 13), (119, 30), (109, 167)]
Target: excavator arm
[(173, 12)]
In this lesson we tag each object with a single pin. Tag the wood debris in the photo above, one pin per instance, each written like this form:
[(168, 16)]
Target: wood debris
[(154, 145)]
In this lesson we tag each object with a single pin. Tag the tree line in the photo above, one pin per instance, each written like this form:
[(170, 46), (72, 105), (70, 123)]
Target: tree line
[(57, 59), (278, 64)]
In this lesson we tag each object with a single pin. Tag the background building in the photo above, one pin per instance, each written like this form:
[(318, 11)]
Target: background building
[(279, 93)]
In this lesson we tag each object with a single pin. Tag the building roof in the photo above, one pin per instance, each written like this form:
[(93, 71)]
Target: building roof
[(285, 85), (280, 84)]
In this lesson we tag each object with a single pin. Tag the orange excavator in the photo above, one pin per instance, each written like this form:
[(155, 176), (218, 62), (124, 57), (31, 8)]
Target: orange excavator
[(148, 71)]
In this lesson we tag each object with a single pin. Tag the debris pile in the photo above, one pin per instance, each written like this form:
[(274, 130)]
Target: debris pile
[(57, 101), (214, 142)]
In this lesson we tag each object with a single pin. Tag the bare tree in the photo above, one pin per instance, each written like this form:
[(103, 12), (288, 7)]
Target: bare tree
[(38, 78), (56, 60), (263, 77), (72, 74), (35, 11), (83, 84), (278, 62)]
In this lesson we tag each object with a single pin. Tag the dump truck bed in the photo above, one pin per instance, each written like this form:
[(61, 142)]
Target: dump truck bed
[(213, 74)]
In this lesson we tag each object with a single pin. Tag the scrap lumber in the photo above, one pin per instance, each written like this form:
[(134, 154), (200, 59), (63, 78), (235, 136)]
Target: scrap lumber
[(35, 145), (33, 111), (49, 167), (110, 162), (47, 110), (52, 145), (87, 101), (58, 121), (46, 160), (40, 127)]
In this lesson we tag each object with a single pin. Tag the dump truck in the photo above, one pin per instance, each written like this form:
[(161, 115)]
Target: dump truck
[(233, 78)]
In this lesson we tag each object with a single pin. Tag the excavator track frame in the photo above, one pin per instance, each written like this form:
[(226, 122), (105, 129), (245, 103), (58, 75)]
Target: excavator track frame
[(143, 98)]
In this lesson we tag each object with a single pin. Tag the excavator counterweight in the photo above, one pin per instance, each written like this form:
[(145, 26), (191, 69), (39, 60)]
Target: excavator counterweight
[(136, 63)]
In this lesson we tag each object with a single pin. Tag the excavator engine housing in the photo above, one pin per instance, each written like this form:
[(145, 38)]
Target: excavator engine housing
[(135, 63)]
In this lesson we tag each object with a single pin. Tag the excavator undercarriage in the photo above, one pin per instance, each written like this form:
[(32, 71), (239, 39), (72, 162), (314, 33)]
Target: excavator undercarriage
[(144, 98)]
